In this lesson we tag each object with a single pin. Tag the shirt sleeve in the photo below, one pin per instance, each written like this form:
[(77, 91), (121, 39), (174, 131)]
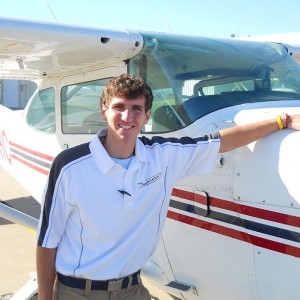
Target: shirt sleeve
[(201, 157), (53, 213), (185, 157)]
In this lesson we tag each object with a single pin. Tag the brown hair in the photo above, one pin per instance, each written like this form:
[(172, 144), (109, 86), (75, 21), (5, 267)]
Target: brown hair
[(128, 86)]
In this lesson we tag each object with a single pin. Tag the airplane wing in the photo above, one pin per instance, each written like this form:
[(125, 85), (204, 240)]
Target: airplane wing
[(291, 40), (31, 50)]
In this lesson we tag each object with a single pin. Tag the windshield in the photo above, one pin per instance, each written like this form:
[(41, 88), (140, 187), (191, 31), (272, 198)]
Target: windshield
[(192, 77)]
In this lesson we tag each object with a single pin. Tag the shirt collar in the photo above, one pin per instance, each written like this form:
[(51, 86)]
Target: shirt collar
[(104, 161)]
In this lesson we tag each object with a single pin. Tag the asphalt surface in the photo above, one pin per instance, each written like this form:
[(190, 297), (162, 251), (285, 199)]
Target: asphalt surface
[(17, 243)]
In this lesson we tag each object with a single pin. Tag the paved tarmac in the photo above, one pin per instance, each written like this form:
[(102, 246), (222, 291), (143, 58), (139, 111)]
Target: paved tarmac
[(17, 254)]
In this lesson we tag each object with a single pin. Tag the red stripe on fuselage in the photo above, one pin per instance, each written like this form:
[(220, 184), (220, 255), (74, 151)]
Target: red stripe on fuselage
[(32, 152), (240, 208), (32, 166), (236, 234)]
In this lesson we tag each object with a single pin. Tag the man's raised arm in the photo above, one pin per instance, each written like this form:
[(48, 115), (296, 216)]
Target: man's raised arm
[(235, 137)]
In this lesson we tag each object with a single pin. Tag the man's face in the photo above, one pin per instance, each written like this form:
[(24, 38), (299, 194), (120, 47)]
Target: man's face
[(125, 117)]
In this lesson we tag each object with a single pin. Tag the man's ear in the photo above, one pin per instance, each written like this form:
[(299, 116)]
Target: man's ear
[(103, 110), (148, 115)]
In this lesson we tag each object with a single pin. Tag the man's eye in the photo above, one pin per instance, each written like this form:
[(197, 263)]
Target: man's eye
[(118, 107)]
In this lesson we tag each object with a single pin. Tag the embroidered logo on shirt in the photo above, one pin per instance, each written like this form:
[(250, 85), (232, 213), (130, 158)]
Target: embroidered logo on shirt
[(149, 180)]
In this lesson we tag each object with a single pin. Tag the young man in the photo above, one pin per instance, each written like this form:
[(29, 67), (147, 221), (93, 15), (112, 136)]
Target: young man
[(106, 201)]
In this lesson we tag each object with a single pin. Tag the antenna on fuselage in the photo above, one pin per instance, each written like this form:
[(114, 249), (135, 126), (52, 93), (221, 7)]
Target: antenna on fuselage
[(50, 10), (164, 21)]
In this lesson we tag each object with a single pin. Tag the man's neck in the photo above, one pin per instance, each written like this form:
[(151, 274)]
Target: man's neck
[(118, 149)]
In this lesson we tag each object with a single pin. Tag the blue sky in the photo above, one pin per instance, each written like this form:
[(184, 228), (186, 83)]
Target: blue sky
[(218, 18)]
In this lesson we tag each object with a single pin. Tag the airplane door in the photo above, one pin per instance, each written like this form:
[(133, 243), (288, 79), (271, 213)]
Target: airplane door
[(202, 256), (78, 104)]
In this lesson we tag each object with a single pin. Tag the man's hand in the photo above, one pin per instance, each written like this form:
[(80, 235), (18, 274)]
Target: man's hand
[(293, 122)]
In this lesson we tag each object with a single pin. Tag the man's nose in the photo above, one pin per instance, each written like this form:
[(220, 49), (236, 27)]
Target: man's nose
[(127, 114)]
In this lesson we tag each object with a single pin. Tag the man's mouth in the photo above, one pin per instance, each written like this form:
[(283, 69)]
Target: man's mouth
[(126, 127)]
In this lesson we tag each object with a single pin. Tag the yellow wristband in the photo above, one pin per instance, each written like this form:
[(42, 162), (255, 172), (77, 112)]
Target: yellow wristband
[(279, 122)]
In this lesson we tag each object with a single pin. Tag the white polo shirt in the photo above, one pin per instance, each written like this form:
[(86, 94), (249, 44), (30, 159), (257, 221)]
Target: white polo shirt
[(102, 233)]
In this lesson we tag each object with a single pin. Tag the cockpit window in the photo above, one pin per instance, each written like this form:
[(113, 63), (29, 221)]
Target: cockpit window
[(81, 107), (192, 77), (41, 112)]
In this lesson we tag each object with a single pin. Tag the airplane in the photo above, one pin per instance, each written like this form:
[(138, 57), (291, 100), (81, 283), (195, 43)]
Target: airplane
[(232, 234)]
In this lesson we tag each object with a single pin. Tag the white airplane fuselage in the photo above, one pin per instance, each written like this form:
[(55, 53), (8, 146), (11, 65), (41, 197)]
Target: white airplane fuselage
[(231, 234)]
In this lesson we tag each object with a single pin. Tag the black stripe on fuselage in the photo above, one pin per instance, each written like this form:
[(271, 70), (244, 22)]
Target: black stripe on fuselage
[(240, 222), (31, 158)]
